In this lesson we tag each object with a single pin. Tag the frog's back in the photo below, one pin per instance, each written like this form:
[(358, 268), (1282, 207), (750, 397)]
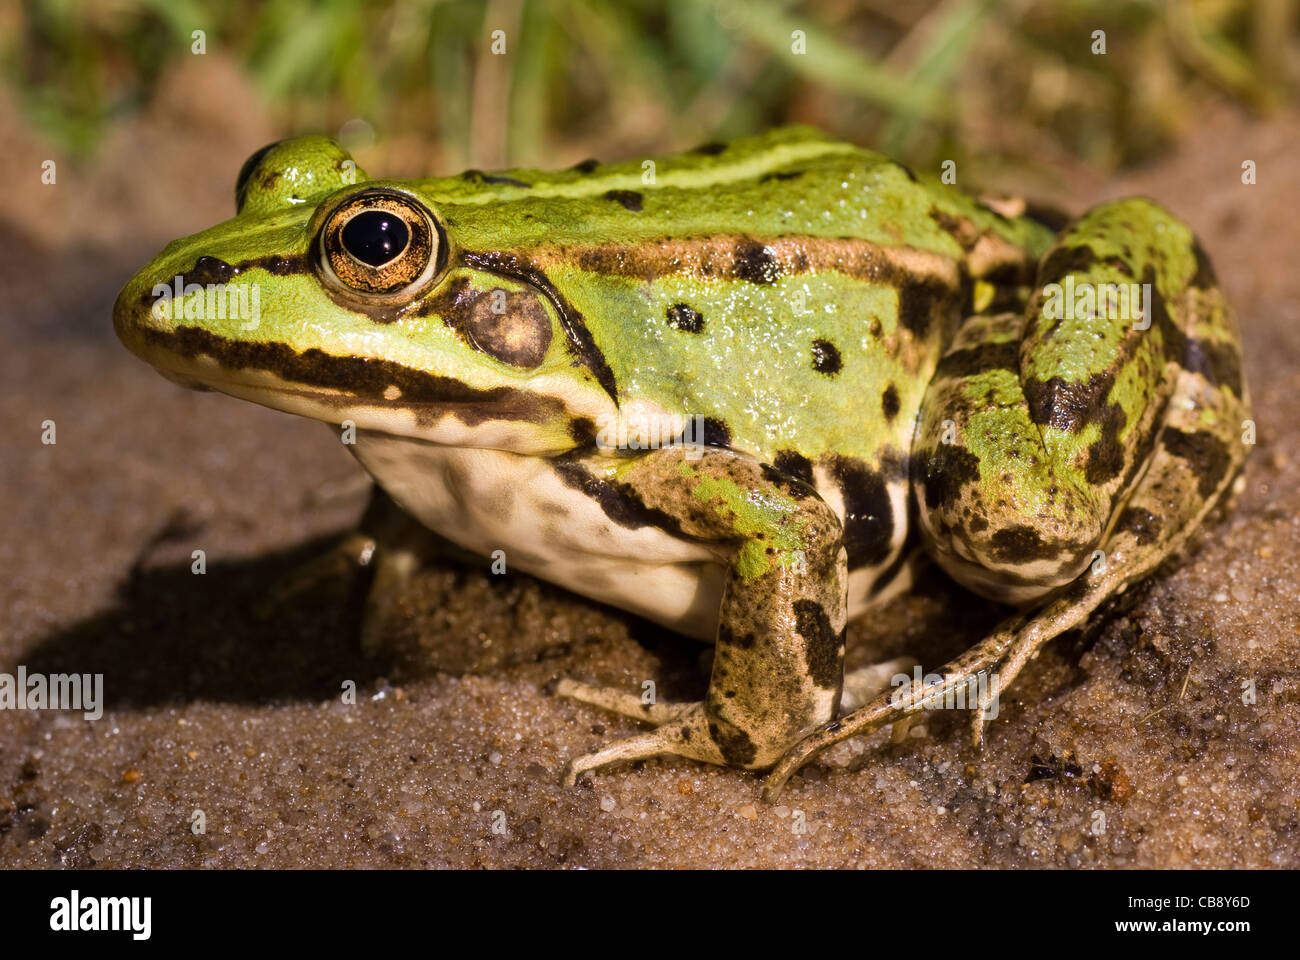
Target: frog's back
[(792, 289)]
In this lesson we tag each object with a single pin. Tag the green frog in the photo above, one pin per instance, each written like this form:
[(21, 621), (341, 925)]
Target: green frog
[(737, 391)]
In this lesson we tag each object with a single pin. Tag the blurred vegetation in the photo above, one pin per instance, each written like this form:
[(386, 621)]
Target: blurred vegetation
[(1015, 79)]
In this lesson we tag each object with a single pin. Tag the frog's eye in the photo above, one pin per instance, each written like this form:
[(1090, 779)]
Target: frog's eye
[(380, 243)]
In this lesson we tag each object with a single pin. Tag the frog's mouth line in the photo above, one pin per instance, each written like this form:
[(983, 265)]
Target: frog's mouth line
[(313, 383)]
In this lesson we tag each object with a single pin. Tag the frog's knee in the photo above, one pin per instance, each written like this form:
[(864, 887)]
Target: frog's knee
[(994, 538)]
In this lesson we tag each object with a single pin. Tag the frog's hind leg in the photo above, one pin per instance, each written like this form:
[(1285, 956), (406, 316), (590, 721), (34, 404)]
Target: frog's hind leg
[(1039, 485)]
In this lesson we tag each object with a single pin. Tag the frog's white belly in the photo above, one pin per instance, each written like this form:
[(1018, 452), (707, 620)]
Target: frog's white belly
[(488, 500)]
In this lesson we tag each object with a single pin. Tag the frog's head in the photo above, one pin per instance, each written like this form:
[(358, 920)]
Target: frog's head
[(347, 299)]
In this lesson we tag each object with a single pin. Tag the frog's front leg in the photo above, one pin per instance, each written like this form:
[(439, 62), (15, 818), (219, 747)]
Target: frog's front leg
[(778, 662), (1063, 458)]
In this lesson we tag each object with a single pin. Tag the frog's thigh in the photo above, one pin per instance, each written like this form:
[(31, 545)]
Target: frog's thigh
[(778, 661), (1036, 428)]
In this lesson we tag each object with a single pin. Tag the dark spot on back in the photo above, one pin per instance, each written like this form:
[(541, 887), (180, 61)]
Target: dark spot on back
[(920, 302), (478, 176), (586, 166), (716, 433), (826, 357), (959, 228), (889, 402), (710, 149), (684, 318), (754, 263), (628, 199), (781, 175)]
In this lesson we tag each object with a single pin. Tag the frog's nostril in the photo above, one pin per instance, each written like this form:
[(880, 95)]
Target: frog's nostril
[(375, 237)]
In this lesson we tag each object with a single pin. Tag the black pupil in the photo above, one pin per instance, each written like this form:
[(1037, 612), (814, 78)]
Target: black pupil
[(375, 237)]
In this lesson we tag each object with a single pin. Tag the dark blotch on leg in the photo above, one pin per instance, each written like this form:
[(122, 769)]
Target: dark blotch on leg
[(795, 465), (1206, 454), (868, 512), (823, 646), (1020, 543), (1204, 278), (1220, 363), (1067, 405), (1065, 260), (944, 472), (1143, 524), (1106, 454), (961, 364), (736, 746)]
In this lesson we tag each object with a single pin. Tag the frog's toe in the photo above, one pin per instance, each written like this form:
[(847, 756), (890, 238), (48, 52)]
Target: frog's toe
[(686, 737), (620, 702)]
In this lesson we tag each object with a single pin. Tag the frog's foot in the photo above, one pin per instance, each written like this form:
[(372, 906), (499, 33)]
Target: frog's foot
[(687, 734), (900, 704)]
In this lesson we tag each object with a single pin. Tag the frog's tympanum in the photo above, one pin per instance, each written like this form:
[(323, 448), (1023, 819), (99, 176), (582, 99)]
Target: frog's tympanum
[(729, 390)]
